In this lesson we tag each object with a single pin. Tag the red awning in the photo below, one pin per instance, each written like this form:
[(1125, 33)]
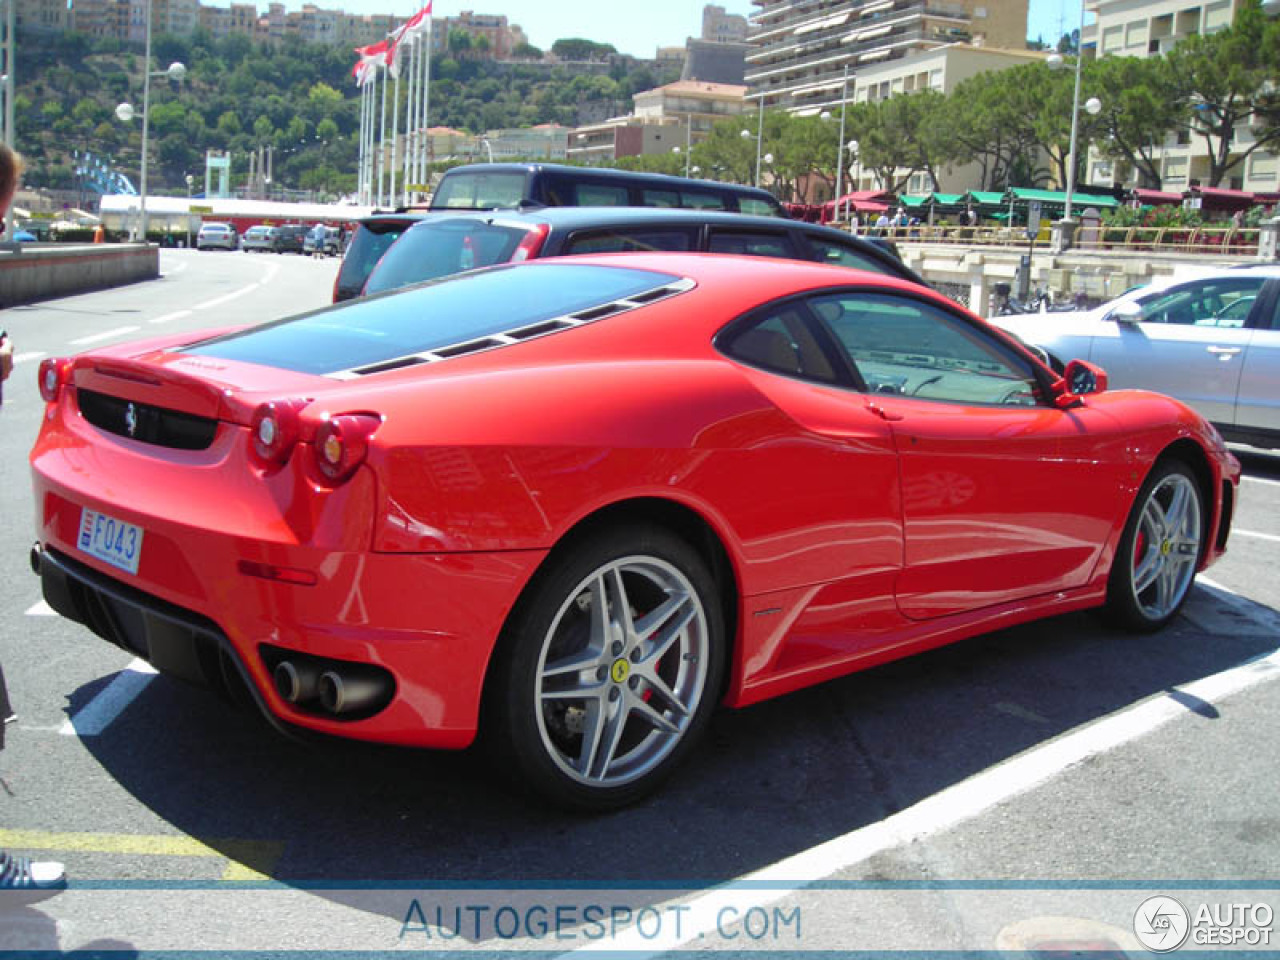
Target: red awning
[(1217, 198), (1157, 197)]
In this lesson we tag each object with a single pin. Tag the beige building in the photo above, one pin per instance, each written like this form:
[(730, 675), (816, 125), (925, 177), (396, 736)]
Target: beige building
[(691, 103), (941, 69), (720, 26), (501, 36), (1142, 28), (804, 46)]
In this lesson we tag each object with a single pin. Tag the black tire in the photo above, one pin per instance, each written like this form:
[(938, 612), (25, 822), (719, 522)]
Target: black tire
[(1159, 551), (645, 690)]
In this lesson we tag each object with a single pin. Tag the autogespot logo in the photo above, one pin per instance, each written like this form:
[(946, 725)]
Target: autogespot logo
[(1161, 924)]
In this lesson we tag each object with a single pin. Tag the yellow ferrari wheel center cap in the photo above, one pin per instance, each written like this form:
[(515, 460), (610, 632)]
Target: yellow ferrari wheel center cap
[(1166, 548), (621, 668)]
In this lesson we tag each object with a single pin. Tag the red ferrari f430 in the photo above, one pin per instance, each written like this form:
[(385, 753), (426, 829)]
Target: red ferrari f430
[(571, 506)]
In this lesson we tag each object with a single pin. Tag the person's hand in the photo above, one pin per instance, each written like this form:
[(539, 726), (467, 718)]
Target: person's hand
[(6, 358)]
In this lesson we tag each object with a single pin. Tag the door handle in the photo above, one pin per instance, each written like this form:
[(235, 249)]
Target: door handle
[(881, 412), (1224, 352)]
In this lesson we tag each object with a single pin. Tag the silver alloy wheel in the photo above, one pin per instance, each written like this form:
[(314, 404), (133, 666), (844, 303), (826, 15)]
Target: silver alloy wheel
[(622, 671), (1166, 546)]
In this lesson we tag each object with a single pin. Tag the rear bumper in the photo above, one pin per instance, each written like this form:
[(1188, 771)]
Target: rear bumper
[(196, 610)]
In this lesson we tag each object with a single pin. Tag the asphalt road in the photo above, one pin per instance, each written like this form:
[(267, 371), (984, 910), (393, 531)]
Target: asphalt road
[(1028, 788)]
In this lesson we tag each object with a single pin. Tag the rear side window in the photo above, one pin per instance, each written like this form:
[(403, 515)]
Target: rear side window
[(824, 251), (702, 200), (659, 198), (752, 244), (479, 191), (363, 253), (780, 340), (756, 207), (601, 195), (440, 247), (619, 241)]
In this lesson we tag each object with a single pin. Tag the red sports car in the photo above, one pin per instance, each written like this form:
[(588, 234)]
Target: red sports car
[(571, 506)]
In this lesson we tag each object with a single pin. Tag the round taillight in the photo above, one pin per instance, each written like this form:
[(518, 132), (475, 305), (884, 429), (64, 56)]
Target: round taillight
[(274, 431), (341, 444), (54, 373)]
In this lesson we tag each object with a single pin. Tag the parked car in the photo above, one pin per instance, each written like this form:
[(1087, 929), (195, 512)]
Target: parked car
[(577, 503), (261, 238), (448, 242), (290, 238), (516, 186), (219, 235), (1212, 340), (370, 239)]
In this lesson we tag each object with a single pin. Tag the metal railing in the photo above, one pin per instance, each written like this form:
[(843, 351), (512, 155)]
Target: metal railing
[(1227, 241)]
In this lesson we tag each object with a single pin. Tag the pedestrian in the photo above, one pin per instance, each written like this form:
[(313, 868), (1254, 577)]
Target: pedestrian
[(17, 873), (319, 233)]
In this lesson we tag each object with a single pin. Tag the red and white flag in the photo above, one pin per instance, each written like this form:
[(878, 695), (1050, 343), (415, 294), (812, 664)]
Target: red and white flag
[(371, 57), (416, 25)]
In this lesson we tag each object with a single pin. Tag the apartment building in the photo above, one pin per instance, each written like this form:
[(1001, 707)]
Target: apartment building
[(720, 26), (1143, 28), (804, 46), (941, 69), (501, 36), (42, 16)]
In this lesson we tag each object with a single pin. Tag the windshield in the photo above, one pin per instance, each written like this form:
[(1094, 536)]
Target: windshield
[(441, 247), (436, 315), (481, 190)]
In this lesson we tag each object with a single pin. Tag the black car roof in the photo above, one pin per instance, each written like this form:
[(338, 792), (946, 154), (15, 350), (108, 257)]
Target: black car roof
[(610, 173)]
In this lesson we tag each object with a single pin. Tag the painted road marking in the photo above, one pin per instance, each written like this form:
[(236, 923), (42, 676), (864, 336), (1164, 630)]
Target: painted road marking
[(170, 316), (935, 814), (28, 355), (246, 859), (1260, 536), (41, 609), (1267, 480), (218, 301), (105, 335), (98, 713)]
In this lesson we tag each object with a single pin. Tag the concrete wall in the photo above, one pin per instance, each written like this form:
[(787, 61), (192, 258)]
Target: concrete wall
[(30, 272)]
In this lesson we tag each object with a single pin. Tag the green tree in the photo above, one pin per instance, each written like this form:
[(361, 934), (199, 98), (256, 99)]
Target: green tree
[(1227, 81), (1141, 106)]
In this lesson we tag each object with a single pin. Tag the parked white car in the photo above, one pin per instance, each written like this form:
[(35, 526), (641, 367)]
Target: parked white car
[(1211, 340), (217, 235)]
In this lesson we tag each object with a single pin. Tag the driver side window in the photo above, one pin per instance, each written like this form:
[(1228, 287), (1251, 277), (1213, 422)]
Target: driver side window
[(911, 348)]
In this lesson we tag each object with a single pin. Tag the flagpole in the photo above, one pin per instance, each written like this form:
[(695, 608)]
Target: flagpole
[(395, 126), (424, 172), (407, 159), (360, 144), (382, 138)]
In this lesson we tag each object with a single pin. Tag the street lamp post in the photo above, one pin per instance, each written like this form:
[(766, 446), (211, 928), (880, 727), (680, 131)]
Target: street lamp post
[(190, 182), (1066, 233), (844, 93), (125, 112), (746, 135)]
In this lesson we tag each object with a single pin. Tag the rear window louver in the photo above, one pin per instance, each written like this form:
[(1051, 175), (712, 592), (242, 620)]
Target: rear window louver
[(522, 333)]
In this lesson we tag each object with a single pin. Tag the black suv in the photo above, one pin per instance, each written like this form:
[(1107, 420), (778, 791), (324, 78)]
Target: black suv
[(437, 244), (289, 238)]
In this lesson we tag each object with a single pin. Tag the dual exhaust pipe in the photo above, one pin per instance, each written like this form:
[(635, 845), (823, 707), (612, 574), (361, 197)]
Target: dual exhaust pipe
[(338, 688)]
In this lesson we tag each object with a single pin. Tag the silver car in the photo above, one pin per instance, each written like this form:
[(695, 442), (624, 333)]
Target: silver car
[(217, 235), (260, 237), (1211, 339)]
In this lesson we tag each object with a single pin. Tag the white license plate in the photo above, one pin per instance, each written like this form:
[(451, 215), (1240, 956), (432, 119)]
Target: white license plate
[(109, 539)]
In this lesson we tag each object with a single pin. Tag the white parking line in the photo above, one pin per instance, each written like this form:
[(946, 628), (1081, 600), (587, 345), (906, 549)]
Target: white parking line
[(28, 355), (41, 609), (1258, 536), (98, 713), (105, 335), (933, 815), (170, 316), (1266, 480)]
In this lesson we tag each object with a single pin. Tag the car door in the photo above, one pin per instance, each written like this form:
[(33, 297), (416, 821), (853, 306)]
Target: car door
[(1005, 496), (1187, 340), (1258, 399)]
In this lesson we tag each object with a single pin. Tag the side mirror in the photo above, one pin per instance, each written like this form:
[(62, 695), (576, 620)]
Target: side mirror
[(1080, 379), (1129, 312)]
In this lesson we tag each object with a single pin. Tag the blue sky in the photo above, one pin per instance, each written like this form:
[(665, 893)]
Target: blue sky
[(635, 28)]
